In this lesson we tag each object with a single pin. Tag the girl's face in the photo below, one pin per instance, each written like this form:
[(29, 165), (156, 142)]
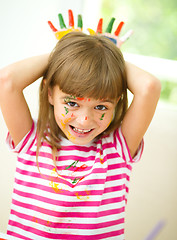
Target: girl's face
[(81, 119)]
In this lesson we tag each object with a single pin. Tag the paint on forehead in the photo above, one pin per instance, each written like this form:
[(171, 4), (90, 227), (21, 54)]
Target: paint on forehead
[(69, 98)]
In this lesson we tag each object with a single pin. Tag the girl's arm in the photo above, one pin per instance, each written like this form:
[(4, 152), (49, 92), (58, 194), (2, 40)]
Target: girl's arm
[(13, 79), (146, 90)]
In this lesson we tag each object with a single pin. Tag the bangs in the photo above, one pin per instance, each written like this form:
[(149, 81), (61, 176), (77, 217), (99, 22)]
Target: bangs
[(90, 68)]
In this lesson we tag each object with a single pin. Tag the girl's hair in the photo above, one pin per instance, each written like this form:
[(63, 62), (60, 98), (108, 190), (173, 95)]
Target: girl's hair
[(82, 66)]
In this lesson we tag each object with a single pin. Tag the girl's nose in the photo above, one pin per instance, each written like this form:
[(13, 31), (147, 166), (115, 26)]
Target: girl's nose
[(84, 118)]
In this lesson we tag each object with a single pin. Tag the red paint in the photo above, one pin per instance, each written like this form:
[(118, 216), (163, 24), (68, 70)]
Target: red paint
[(71, 18), (116, 33), (79, 98), (100, 26), (81, 167), (52, 26), (85, 118)]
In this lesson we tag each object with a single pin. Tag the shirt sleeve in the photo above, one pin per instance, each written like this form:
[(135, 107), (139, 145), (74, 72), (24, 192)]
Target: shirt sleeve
[(123, 150), (25, 143)]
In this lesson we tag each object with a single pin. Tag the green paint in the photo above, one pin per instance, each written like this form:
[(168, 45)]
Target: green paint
[(66, 110), (72, 164), (61, 21), (110, 25), (79, 23), (69, 98), (75, 180), (102, 116)]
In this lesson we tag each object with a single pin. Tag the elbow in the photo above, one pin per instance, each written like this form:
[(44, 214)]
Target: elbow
[(152, 88), (5, 81)]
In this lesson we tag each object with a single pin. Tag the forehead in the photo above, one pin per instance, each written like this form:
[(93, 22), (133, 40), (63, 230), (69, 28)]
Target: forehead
[(68, 97)]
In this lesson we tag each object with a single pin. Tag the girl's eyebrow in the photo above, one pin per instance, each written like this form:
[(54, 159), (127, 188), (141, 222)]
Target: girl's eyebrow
[(68, 97), (107, 100)]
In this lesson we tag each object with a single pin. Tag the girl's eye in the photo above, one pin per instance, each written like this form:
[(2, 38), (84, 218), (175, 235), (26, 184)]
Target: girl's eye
[(72, 104), (101, 107)]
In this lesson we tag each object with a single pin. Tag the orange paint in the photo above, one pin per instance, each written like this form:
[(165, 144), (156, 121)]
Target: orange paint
[(80, 99)]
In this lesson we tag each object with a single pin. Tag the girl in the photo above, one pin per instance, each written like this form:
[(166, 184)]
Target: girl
[(74, 163)]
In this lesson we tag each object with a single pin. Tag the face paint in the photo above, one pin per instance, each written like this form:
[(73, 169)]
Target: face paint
[(102, 116), (66, 110), (67, 133)]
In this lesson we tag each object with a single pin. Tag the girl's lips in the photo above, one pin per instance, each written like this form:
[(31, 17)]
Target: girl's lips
[(79, 131)]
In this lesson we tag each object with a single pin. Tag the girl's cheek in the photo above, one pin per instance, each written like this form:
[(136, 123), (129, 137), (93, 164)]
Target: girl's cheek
[(105, 119)]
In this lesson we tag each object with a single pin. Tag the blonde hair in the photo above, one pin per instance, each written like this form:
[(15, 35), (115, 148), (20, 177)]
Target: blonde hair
[(83, 66)]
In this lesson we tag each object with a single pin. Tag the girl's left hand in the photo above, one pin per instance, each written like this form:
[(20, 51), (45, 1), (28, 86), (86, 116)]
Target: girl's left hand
[(63, 29)]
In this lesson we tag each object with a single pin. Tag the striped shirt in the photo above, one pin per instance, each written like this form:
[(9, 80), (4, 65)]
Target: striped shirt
[(82, 198)]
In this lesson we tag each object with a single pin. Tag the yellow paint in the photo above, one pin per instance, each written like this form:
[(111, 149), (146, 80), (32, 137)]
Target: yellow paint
[(91, 31), (69, 135), (55, 186), (60, 34), (83, 198)]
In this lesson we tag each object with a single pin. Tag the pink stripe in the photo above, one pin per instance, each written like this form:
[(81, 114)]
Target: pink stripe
[(117, 166), (114, 189), (41, 154), (61, 180), (69, 235), (112, 155), (74, 147), (67, 193), (10, 233), (61, 224), (130, 157), (86, 182), (67, 203), (33, 163), (118, 137), (107, 145), (69, 214), (27, 137)]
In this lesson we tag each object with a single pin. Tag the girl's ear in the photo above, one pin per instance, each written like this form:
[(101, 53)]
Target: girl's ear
[(50, 96)]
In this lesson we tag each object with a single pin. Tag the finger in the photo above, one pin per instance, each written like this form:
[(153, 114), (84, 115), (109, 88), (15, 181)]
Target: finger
[(100, 26), (71, 18), (52, 26), (79, 21), (91, 31), (110, 25), (116, 33), (126, 36), (61, 21)]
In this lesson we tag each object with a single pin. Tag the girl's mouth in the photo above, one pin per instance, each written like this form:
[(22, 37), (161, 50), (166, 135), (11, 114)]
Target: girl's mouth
[(80, 131)]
